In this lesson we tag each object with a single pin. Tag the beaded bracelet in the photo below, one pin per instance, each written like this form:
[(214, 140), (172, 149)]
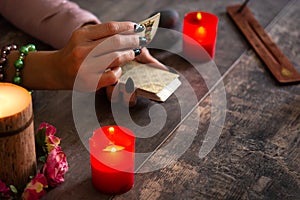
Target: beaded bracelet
[(19, 63), (3, 59)]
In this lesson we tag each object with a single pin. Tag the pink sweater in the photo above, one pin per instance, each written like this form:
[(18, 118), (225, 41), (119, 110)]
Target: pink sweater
[(51, 21)]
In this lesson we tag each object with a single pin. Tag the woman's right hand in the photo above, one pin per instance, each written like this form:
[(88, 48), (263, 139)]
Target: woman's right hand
[(94, 54)]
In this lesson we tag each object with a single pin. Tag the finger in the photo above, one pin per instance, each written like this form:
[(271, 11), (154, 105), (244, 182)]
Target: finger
[(138, 28), (98, 31), (94, 81), (102, 63), (109, 77), (122, 58), (117, 43)]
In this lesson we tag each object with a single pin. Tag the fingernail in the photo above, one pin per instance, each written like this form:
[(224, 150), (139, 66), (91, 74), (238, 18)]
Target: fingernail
[(143, 41), (137, 52), (129, 85), (138, 28)]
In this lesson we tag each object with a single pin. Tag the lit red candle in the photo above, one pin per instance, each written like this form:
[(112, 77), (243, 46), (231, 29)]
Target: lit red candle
[(112, 159), (199, 30)]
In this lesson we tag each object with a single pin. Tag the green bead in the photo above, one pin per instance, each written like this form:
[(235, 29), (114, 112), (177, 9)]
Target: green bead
[(19, 64), (17, 80), (31, 47), (24, 50)]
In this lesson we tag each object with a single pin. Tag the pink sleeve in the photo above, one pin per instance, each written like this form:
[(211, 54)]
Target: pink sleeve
[(51, 21)]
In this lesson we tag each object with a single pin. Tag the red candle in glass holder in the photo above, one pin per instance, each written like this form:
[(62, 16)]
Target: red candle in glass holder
[(199, 30), (112, 159)]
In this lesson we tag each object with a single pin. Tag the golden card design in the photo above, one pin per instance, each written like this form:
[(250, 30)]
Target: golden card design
[(151, 83), (151, 25)]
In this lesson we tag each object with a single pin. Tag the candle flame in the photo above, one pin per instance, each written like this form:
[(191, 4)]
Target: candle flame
[(113, 148), (201, 30), (111, 130), (13, 99), (199, 16), (200, 34)]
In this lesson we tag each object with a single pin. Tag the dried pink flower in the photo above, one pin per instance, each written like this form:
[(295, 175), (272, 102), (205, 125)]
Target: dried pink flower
[(55, 167), (50, 130), (53, 170), (4, 190), (35, 188), (50, 140)]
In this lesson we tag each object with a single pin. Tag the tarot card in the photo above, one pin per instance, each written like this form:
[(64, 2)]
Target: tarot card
[(151, 25), (151, 83)]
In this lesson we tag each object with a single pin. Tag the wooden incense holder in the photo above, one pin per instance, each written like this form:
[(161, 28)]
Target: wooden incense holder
[(268, 51)]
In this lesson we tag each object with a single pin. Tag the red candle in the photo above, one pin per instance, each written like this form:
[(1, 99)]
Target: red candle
[(112, 159), (199, 30)]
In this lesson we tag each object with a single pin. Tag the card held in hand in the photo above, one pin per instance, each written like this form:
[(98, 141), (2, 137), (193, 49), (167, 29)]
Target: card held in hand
[(150, 82), (151, 25)]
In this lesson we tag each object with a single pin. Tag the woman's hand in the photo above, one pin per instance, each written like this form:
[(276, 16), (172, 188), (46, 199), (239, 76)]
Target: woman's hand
[(91, 59), (94, 54)]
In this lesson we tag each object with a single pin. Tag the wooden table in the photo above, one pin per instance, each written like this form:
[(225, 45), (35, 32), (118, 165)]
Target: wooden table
[(256, 155)]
